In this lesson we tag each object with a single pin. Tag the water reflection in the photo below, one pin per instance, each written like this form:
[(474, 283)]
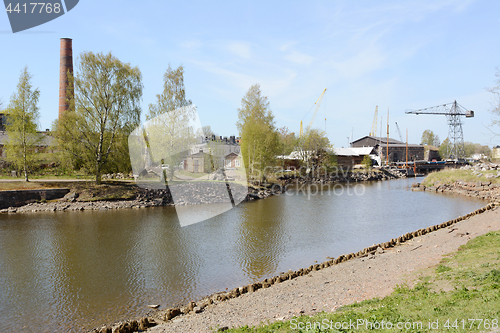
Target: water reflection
[(72, 271)]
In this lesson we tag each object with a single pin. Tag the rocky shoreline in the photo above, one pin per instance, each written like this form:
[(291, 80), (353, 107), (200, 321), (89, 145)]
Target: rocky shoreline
[(194, 194), (340, 177), (479, 189), (145, 198)]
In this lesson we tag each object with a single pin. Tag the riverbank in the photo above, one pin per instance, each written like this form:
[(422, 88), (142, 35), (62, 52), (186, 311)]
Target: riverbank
[(120, 195), (125, 194), (372, 272), (479, 181)]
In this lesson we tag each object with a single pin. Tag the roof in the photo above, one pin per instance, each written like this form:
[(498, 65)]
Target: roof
[(362, 150), (403, 145), (344, 152), (377, 138), (233, 154), (198, 155)]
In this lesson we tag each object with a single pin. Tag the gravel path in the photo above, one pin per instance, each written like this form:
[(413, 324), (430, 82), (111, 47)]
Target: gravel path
[(332, 287)]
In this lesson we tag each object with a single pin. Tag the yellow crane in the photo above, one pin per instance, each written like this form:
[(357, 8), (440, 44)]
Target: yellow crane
[(374, 124), (318, 103)]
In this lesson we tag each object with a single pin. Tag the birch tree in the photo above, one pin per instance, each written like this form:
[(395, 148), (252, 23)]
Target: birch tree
[(22, 116), (105, 109), (259, 138), (172, 121)]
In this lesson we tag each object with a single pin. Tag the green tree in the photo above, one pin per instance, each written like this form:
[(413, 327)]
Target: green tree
[(471, 148), (367, 162), (429, 138), (171, 128), (105, 109), (288, 140), (207, 130), (21, 126), (259, 138), (444, 149), (315, 150), (173, 96)]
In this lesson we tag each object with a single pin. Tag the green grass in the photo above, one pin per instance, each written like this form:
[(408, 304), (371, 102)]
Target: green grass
[(448, 176), (472, 276)]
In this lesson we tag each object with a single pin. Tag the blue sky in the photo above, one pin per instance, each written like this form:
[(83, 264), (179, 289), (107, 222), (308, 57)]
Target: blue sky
[(395, 54)]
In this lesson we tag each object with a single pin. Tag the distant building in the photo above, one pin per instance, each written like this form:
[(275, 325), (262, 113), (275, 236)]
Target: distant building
[(212, 153), (397, 149), (431, 153), (43, 146)]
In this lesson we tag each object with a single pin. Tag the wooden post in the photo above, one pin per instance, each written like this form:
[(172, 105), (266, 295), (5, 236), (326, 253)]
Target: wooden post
[(406, 165), (387, 150)]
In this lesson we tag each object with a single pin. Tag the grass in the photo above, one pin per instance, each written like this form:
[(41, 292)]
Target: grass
[(448, 176), (87, 190), (472, 275)]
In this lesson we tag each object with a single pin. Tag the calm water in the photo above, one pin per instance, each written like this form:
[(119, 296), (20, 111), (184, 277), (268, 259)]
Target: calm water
[(72, 271)]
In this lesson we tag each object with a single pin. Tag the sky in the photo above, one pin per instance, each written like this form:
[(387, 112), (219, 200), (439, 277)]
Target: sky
[(397, 55)]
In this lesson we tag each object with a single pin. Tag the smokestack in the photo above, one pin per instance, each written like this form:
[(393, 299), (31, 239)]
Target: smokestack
[(66, 65)]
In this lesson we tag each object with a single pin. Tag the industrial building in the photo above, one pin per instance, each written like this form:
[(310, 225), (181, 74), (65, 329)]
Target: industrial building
[(397, 149)]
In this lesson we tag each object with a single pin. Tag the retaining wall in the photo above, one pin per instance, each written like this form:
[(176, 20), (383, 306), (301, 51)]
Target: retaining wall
[(23, 197)]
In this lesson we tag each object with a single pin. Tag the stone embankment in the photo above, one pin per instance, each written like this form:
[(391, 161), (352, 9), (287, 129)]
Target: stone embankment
[(219, 297), (486, 190), (185, 194), (380, 174), (481, 190)]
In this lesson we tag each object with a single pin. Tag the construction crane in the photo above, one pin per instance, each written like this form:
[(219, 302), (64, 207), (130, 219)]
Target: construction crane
[(374, 124), (318, 103), (399, 132), (453, 112)]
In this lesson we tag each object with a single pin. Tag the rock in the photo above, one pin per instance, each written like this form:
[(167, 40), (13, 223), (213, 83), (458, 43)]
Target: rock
[(380, 250), (490, 175), (71, 196), (146, 323), (154, 306), (171, 313)]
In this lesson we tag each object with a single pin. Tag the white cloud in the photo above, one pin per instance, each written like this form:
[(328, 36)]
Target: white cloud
[(240, 49), (299, 58)]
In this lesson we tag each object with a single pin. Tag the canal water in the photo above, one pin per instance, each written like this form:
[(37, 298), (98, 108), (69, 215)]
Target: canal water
[(72, 271)]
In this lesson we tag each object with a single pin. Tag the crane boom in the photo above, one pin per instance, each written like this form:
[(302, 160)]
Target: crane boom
[(320, 99), (449, 109), (453, 112), (399, 132)]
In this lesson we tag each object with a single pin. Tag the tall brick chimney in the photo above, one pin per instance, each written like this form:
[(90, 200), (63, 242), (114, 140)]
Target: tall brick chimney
[(66, 65)]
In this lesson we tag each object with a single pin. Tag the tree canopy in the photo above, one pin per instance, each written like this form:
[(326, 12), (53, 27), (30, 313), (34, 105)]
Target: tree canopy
[(104, 110), (429, 138), (173, 96), (259, 138), (172, 125), (22, 125)]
